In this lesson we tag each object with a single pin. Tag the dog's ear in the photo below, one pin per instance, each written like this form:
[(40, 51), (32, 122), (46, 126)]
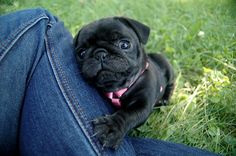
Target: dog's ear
[(140, 29)]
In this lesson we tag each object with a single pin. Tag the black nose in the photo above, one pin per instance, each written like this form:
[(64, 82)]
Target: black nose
[(100, 54)]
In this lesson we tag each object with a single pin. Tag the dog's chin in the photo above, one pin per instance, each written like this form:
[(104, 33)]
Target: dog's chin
[(108, 81)]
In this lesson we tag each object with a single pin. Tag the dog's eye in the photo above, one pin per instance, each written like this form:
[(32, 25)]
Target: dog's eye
[(124, 44), (81, 52)]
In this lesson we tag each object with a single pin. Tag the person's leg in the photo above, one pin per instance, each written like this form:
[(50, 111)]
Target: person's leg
[(151, 147), (19, 54)]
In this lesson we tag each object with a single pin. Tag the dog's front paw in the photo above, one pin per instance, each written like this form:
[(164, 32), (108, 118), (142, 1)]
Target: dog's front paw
[(107, 130)]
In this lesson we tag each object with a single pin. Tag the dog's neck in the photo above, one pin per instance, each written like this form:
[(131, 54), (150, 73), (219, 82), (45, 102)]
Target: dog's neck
[(115, 96)]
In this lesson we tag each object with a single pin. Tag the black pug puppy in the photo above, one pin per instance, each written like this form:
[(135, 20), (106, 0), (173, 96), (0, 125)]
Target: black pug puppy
[(111, 55)]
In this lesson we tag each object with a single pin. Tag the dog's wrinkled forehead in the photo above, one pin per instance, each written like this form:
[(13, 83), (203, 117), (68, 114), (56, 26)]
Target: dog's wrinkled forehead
[(108, 29)]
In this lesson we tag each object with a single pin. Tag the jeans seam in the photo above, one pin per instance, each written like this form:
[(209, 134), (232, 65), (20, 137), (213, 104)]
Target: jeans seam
[(70, 98), (14, 37)]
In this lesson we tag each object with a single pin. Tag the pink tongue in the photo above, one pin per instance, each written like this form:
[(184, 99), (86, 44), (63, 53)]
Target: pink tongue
[(109, 95), (119, 93), (116, 103), (114, 96)]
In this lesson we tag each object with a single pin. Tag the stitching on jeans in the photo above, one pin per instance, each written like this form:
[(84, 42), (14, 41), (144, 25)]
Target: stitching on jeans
[(17, 34), (66, 91), (77, 112)]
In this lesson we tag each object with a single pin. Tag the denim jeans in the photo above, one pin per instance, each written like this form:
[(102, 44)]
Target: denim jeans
[(46, 108)]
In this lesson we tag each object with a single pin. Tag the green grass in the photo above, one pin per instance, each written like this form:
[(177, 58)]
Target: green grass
[(202, 112)]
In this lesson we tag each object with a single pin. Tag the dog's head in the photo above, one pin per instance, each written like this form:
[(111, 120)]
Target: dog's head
[(110, 51)]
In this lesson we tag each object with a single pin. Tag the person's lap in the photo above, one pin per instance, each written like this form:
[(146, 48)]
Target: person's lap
[(41, 72)]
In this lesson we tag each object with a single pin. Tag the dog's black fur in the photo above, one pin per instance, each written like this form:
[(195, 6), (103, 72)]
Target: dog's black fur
[(111, 55)]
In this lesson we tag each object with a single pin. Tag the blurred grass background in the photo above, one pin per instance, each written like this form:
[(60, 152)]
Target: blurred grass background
[(198, 37)]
